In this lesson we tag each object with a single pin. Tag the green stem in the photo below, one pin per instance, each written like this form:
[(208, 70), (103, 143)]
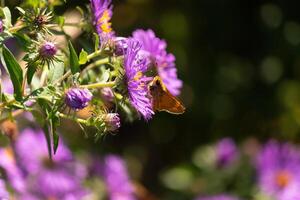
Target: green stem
[(93, 55), (2, 105), (95, 64), (99, 85), (16, 28), (81, 121)]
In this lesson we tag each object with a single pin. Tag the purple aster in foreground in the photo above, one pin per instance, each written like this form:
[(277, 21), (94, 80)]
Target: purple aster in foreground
[(137, 84), (78, 98), (217, 197), (116, 178), (278, 170), (37, 176), (102, 13), (226, 152), (163, 61), (3, 192)]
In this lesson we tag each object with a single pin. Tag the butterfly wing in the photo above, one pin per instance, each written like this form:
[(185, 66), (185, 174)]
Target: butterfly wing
[(170, 104), (163, 100)]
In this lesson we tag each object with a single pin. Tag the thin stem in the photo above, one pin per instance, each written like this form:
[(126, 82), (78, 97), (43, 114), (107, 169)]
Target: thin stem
[(93, 55), (66, 75), (43, 76), (2, 105), (81, 121), (16, 28), (95, 64), (99, 85)]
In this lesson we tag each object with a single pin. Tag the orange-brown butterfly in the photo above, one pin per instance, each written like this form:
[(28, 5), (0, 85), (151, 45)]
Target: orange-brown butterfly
[(163, 100)]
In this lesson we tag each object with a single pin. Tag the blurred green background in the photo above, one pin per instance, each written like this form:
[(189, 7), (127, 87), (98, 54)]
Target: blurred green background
[(240, 63)]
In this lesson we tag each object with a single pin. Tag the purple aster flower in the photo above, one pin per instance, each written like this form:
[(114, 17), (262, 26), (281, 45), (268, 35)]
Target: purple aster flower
[(3, 192), (77, 98), (102, 13), (163, 61), (47, 50), (217, 197), (59, 178), (116, 179), (6, 85), (137, 84), (14, 174), (278, 169), (226, 152), (120, 45), (112, 121)]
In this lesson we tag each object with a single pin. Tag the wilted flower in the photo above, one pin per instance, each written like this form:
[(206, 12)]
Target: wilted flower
[(47, 50), (163, 61), (217, 197), (278, 170), (102, 13), (112, 121), (226, 152), (137, 86), (77, 98), (116, 179)]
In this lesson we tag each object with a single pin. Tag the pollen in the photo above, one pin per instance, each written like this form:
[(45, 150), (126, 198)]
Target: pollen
[(8, 153), (138, 76), (104, 22), (283, 178)]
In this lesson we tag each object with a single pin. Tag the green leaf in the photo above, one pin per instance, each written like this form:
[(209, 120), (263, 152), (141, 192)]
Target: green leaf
[(54, 123), (23, 40), (31, 69), (83, 57), (74, 64), (60, 21), (14, 70), (7, 17), (56, 71)]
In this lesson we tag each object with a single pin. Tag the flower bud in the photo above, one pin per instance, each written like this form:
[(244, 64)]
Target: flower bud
[(77, 98), (107, 94), (120, 45), (112, 121), (47, 50)]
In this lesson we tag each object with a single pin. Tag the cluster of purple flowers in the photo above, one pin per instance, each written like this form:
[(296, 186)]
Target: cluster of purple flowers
[(33, 175), (278, 171), (142, 52)]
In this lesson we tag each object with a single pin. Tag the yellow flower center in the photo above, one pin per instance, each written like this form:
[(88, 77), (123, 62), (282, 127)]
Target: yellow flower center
[(283, 178), (104, 22)]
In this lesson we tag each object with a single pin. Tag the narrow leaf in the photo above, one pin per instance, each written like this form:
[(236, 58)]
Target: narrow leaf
[(31, 69), (14, 70), (74, 64)]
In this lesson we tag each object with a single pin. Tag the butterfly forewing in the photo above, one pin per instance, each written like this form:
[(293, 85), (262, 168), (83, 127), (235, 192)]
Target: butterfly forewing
[(163, 100)]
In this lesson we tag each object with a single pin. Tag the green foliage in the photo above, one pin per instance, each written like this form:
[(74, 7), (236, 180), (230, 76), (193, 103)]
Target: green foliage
[(74, 61), (14, 70)]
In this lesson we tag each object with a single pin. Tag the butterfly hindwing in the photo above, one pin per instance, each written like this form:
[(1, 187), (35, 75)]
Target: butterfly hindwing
[(162, 99)]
